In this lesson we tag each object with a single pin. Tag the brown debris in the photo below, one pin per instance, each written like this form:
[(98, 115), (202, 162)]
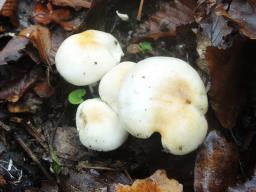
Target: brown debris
[(8, 8), (216, 164), (227, 72), (46, 14), (41, 39), (164, 22), (14, 89), (248, 186), (13, 50), (242, 13), (2, 181), (73, 3), (158, 182), (43, 89)]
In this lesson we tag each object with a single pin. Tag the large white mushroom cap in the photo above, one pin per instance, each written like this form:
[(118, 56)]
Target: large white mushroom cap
[(98, 126), (165, 95), (83, 58), (112, 81)]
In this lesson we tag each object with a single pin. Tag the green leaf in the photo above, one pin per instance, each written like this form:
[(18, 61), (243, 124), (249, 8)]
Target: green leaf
[(55, 165), (145, 47), (76, 96)]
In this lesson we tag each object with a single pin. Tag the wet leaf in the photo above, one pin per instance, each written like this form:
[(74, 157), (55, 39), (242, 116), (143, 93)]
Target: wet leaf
[(242, 13), (248, 186), (216, 164), (76, 96), (73, 3), (91, 181), (67, 144), (164, 22), (44, 89), (13, 90), (45, 15), (158, 182), (14, 50), (41, 39), (227, 69), (8, 8)]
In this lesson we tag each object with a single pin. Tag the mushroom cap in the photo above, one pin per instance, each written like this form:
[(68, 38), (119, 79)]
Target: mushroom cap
[(98, 126), (156, 94), (112, 81), (83, 58)]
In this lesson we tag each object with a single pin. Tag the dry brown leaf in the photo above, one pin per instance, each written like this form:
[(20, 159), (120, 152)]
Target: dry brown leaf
[(216, 164), (41, 39), (14, 89), (8, 8), (158, 182), (73, 3), (165, 21), (13, 49), (242, 13)]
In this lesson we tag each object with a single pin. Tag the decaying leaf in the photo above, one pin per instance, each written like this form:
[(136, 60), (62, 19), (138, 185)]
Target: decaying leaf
[(165, 21), (216, 164), (242, 13), (28, 104), (2, 181), (14, 89), (248, 186), (73, 3), (203, 9), (45, 15), (91, 181), (8, 8), (13, 50), (67, 145), (227, 69), (158, 182), (41, 39), (43, 89)]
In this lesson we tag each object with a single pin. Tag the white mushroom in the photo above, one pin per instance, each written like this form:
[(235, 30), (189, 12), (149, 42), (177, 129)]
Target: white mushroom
[(98, 126), (165, 95), (83, 58), (112, 81)]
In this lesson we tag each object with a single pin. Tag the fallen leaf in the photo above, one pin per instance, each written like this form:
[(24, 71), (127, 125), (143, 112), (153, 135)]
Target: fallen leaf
[(227, 70), (91, 181), (216, 29), (41, 38), (67, 144), (73, 3), (28, 104), (203, 9), (242, 13), (2, 181), (158, 182), (8, 8), (45, 15), (13, 50), (14, 89), (248, 186), (43, 89), (216, 164), (165, 21)]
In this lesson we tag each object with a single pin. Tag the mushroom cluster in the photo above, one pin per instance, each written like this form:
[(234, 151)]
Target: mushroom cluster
[(157, 94)]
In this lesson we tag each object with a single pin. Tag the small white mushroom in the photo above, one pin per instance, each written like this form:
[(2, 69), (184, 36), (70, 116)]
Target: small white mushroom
[(98, 126), (165, 95), (83, 58), (112, 81)]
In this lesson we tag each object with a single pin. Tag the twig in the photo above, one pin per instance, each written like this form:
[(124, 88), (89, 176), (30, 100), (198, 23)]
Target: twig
[(5, 127), (34, 158), (140, 10)]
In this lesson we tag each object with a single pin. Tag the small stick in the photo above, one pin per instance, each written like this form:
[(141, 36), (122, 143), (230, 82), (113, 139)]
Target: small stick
[(5, 127), (34, 158), (140, 10)]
